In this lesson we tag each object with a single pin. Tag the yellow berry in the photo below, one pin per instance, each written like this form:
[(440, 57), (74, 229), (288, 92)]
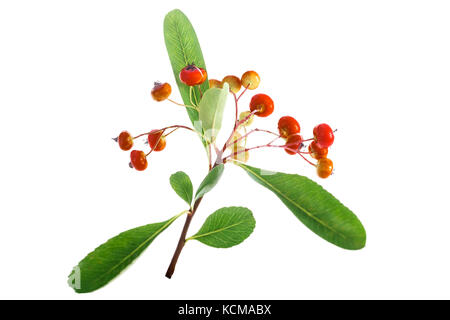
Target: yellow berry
[(213, 83), (250, 79), (234, 83)]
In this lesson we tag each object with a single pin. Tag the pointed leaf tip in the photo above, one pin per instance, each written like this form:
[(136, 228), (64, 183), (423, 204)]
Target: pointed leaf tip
[(319, 210), (210, 181)]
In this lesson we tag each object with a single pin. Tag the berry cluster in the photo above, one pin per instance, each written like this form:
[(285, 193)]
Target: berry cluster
[(261, 105), (289, 129)]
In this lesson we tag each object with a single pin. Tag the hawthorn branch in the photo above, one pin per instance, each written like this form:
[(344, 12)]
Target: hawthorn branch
[(182, 240), (187, 223)]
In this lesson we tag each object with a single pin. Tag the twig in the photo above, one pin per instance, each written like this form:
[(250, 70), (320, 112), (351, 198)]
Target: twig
[(182, 240)]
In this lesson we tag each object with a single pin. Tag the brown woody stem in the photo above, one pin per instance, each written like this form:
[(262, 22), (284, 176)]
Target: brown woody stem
[(182, 240)]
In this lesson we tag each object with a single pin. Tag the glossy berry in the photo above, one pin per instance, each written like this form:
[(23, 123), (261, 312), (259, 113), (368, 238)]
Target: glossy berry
[(323, 135), (138, 160), (316, 152), (244, 115), (192, 75), (234, 83), (153, 137), (125, 141), (250, 79), (324, 168), (263, 104), (288, 126), (213, 83), (293, 144), (161, 91)]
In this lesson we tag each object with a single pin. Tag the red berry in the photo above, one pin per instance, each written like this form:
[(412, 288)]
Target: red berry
[(161, 91), (138, 160), (317, 152), (288, 126), (125, 141), (193, 75), (263, 104), (156, 140), (324, 168), (323, 135), (293, 144)]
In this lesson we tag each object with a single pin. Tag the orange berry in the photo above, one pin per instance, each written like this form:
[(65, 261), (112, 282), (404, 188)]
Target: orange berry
[(293, 144), (192, 75), (204, 76), (213, 83), (161, 91), (324, 168), (234, 83), (250, 79), (125, 141), (288, 126), (156, 140), (263, 104), (317, 152), (138, 160)]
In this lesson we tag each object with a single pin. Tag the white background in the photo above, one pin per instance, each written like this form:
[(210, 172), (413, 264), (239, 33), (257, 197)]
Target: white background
[(73, 74)]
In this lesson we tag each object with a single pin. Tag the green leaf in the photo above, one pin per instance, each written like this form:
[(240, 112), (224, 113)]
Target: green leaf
[(183, 49), (315, 207), (111, 258), (211, 108), (226, 227), (182, 185), (210, 181)]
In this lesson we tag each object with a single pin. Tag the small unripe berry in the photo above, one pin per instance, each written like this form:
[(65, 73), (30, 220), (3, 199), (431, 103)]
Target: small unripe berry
[(244, 115), (213, 83), (234, 83), (250, 79), (288, 126), (316, 152), (125, 140), (324, 168), (293, 144), (161, 91), (156, 140), (138, 160), (263, 104)]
